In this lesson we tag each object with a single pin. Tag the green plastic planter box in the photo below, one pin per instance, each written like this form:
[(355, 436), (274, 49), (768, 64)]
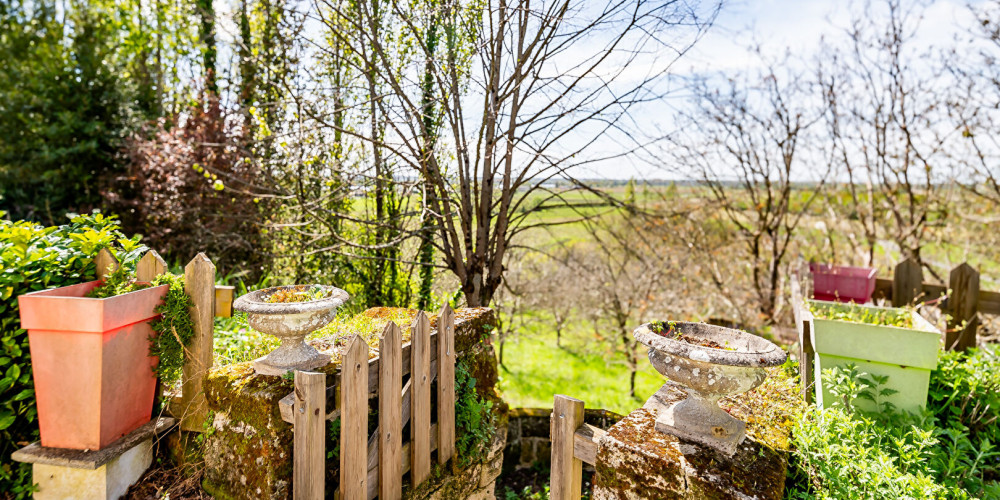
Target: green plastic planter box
[(905, 355)]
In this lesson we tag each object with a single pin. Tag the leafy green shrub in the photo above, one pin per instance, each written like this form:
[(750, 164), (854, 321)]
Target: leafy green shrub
[(843, 452), (32, 258), (475, 422)]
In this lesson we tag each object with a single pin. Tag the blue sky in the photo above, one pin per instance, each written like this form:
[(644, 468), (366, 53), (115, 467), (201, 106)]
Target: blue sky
[(797, 26)]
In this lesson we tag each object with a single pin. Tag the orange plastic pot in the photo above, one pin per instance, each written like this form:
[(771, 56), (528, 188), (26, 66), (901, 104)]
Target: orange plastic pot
[(94, 380)]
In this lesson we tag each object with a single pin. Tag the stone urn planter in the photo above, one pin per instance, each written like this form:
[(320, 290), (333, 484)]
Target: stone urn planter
[(94, 380), (860, 334), (710, 362), (290, 313)]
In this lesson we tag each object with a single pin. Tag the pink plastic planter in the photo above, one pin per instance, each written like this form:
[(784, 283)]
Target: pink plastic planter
[(94, 380), (843, 283)]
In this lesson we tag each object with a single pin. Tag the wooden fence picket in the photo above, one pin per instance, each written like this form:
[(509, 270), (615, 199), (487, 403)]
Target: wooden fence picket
[(309, 440), (373, 466), (105, 262), (354, 421), (390, 418), (962, 306), (907, 283), (199, 283), (420, 388), (567, 469), (446, 384), (150, 266)]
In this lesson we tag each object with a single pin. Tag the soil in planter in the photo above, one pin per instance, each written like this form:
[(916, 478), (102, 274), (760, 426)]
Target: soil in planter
[(668, 329), (858, 314), (303, 293)]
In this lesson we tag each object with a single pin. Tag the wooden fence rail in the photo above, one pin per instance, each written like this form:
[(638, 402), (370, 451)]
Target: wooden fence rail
[(373, 465), (210, 300), (573, 443)]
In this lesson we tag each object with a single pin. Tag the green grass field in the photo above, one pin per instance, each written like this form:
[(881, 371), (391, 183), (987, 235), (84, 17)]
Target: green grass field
[(535, 370)]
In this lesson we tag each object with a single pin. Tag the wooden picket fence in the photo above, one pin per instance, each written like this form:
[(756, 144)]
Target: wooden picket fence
[(962, 299), (373, 465), (210, 300), (573, 444)]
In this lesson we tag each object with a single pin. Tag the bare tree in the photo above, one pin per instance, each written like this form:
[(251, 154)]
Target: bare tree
[(887, 124), (746, 141), (521, 93), (974, 108), (620, 280)]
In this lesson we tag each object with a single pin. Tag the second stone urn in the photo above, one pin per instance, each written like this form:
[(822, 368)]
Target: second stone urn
[(290, 313), (710, 362)]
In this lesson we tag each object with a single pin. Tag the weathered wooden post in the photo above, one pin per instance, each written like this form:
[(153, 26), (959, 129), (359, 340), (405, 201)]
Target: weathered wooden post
[(390, 413), (420, 390), (567, 470), (963, 306), (199, 283), (354, 421), (907, 283), (309, 413), (105, 262), (446, 384)]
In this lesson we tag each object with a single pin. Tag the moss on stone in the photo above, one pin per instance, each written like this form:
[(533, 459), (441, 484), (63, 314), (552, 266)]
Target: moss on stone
[(249, 451)]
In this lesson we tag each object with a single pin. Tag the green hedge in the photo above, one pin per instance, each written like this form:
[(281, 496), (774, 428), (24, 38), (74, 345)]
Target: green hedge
[(33, 257)]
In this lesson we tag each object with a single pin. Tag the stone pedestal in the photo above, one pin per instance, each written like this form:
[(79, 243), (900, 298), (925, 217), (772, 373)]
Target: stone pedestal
[(105, 474), (635, 461)]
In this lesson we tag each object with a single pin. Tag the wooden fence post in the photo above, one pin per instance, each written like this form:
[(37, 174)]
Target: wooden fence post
[(907, 283), (105, 262), (446, 384), (390, 418), (807, 357), (420, 400), (309, 440), (354, 421), (803, 325), (567, 470), (963, 305), (199, 283)]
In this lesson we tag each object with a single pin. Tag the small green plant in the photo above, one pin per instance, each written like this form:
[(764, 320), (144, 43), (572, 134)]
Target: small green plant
[(475, 422), (855, 313), (173, 330), (333, 440), (118, 282), (526, 493), (847, 384), (298, 294)]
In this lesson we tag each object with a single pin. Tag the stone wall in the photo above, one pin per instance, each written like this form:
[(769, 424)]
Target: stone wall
[(248, 449), (528, 441)]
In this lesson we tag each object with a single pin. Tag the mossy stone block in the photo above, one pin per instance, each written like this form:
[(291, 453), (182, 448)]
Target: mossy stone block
[(635, 461)]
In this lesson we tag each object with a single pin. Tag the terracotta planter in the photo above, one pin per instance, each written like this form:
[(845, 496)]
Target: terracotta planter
[(90, 360)]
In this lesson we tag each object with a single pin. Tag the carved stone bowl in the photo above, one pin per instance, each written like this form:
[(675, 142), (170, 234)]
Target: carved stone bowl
[(290, 322), (707, 373)]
